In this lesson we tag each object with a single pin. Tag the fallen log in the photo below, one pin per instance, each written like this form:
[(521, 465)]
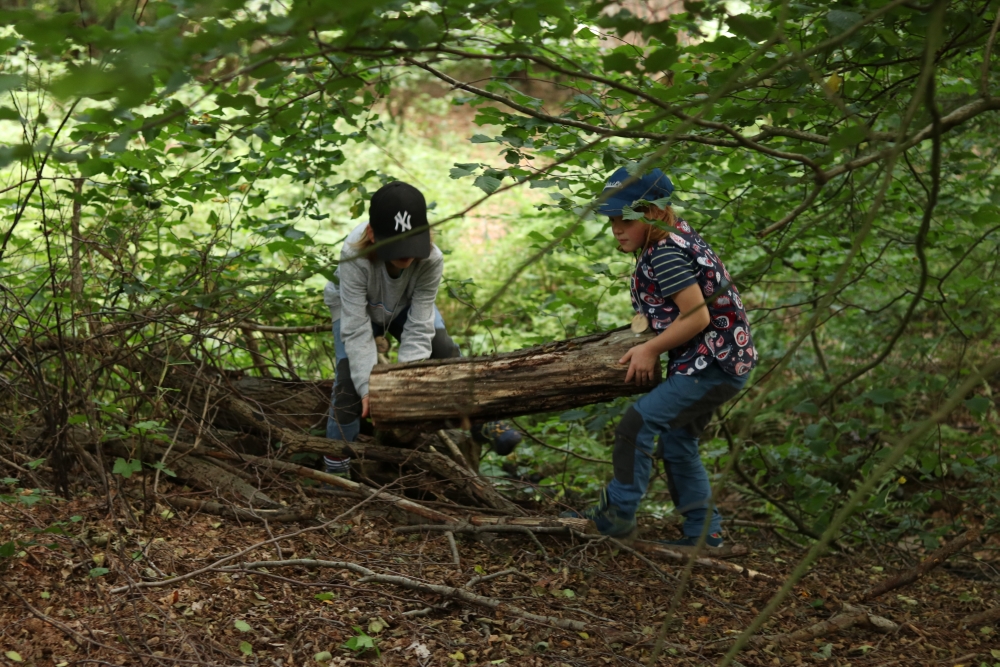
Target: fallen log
[(556, 376)]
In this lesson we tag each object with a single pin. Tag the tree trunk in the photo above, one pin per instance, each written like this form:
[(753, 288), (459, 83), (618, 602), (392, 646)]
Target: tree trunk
[(556, 376)]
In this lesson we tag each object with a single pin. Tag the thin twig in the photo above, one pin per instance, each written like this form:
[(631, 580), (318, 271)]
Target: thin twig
[(454, 549)]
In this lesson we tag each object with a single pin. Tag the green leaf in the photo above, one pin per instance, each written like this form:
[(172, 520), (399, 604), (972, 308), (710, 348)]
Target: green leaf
[(978, 405), (573, 415), (14, 656), (86, 81), (323, 597), (551, 7), (661, 59), (526, 21), (986, 215), (126, 468), (755, 28), (162, 467), (10, 82), (462, 170), (10, 154), (246, 648), (619, 60), (849, 136), (242, 625), (840, 20), (8, 549), (487, 184), (880, 396), (323, 656), (98, 571), (807, 407), (96, 166), (426, 30), (6, 113)]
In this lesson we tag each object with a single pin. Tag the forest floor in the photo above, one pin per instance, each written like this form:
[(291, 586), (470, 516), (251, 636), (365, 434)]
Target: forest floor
[(59, 605)]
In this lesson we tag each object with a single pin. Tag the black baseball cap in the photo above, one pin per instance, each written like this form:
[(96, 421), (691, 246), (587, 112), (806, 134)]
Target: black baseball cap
[(398, 217)]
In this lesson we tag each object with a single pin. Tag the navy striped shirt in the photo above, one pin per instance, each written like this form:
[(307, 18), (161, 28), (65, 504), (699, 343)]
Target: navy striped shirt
[(674, 270)]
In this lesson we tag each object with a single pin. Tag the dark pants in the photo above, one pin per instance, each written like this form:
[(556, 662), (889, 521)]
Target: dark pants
[(344, 422), (676, 411)]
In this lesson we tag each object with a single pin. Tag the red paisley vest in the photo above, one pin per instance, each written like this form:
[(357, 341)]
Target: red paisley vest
[(727, 337)]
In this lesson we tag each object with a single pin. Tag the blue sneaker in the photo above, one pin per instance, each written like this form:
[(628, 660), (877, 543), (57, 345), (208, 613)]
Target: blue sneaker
[(713, 543), (609, 520), (501, 436)]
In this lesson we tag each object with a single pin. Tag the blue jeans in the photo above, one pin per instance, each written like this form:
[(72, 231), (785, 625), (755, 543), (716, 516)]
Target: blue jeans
[(677, 411), (345, 404)]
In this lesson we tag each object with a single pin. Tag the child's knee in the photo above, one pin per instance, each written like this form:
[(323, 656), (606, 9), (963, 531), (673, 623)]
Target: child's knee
[(626, 444), (442, 346), (346, 402)]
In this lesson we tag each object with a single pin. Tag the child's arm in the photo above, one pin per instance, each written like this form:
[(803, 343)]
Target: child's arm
[(355, 325), (418, 331), (694, 317)]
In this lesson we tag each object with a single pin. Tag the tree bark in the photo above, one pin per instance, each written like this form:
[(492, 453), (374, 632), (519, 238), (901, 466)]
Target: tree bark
[(556, 376)]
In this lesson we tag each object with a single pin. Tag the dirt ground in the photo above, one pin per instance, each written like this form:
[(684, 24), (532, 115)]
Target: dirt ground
[(68, 596)]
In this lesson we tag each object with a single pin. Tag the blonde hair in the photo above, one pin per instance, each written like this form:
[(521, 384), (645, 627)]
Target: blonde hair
[(656, 233)]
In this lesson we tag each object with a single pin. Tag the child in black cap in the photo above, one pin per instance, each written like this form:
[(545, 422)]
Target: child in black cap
[(684, 293), (388, 275)]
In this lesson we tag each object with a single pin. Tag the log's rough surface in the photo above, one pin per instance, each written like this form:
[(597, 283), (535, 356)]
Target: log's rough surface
[(555, 376)]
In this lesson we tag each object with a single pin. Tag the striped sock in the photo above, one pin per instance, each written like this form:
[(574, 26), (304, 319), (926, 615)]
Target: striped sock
[(336, 465)]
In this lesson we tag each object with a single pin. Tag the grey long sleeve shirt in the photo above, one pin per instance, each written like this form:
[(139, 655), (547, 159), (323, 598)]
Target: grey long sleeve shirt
[(367, 294)]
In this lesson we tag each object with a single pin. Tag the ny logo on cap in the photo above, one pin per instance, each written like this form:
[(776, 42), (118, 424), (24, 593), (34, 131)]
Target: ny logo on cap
[(403, 221)]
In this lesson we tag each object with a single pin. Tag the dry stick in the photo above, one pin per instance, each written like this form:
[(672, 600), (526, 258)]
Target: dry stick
[(264, 543), (454, 549), (922, 568), (412, 584), (849, 617), (478, 579), (704, 561), (455, 451), (982, 617), (219, 509), (309, 328)]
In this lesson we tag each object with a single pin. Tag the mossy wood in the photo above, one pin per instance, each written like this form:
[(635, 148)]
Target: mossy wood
[(555, 376)]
